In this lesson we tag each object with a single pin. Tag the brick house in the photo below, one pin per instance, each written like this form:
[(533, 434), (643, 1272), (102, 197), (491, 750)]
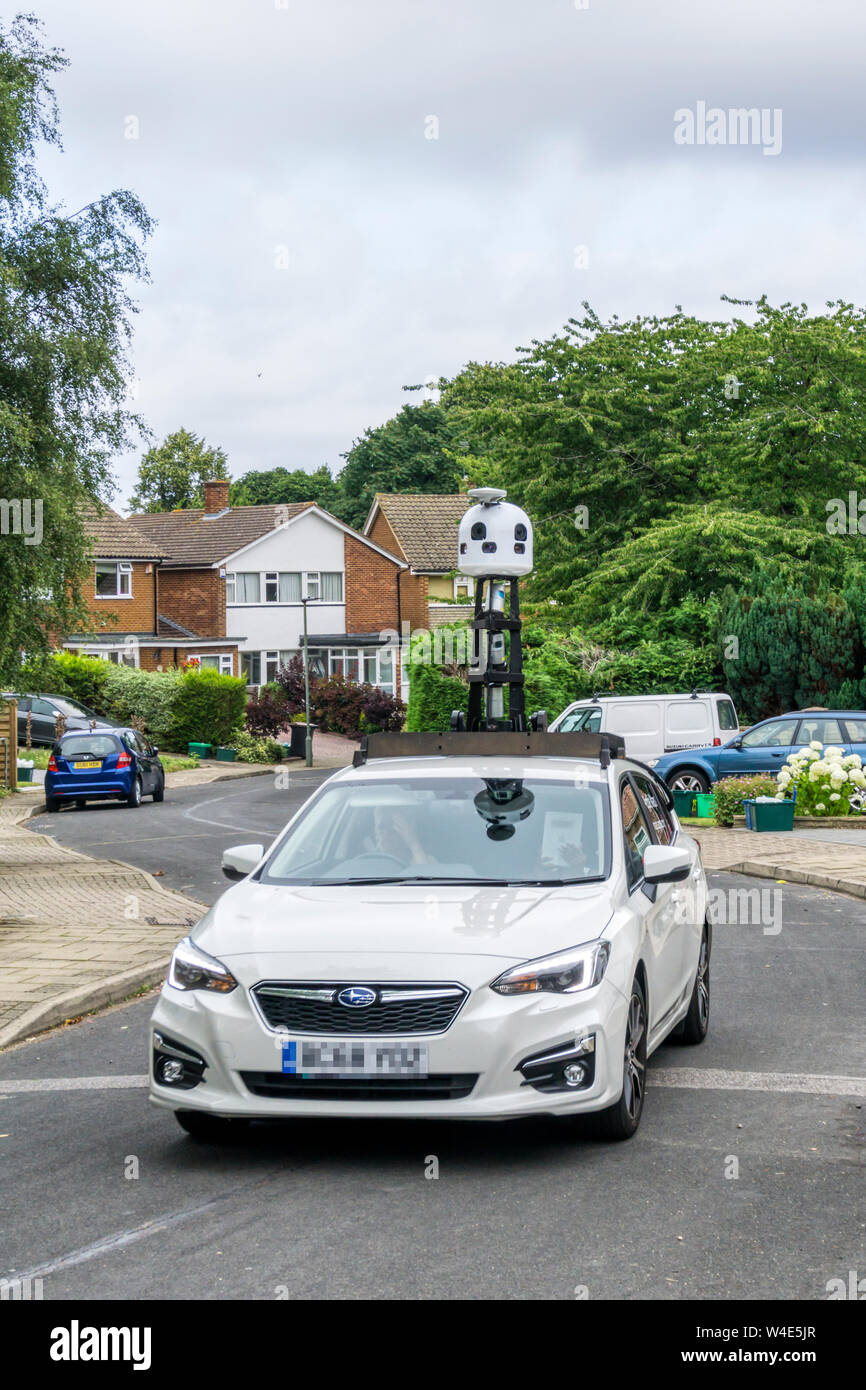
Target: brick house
[(422, 529), (128, 623), (244, 571)]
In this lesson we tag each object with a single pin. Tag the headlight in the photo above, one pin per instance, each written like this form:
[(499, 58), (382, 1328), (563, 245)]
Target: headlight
[(565, 973), (651, 762), (192, 968)]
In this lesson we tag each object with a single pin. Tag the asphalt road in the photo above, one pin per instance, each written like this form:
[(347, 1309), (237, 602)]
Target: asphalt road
[(182, 838), (103, 1197)]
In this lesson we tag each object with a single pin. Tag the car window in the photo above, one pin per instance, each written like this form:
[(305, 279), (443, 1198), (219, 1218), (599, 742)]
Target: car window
[(446, 828), (655, 811), (727, 715), (91, 746), (856, 730), (636, 832), (42, 707), (573, 721), (24, 702), (776, 733), (74, 708), (134, 741), (825, 730)]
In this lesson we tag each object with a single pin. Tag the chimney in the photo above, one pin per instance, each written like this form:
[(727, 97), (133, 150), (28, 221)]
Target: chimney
[(216, 496)]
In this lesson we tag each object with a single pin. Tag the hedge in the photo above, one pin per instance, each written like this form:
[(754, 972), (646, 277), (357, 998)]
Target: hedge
[(175, 707), (432, 697)]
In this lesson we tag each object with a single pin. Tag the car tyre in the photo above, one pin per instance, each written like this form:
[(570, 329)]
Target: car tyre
[(159, 790), (134, 798), (688, 780), (211, 1129), (52, 803), (80, 803), (621, 1121), (695, 1025)]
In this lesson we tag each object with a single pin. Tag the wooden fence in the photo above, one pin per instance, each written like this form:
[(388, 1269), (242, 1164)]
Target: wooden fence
[(8, 743)]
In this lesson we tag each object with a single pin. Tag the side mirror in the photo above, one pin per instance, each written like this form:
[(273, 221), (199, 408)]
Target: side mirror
[(240, 860), (736, 742), (666, 864), (155, 750)]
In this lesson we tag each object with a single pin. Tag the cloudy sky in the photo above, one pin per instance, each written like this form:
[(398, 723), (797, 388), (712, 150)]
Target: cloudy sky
[(356, 195)]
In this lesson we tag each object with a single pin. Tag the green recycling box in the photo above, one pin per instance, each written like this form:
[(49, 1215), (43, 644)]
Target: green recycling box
[(199, 750), (226, 755), (768, 815), (686, 803), (706, 804)]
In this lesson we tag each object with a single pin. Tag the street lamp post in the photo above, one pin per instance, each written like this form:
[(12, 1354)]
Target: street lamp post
[(308, 745)]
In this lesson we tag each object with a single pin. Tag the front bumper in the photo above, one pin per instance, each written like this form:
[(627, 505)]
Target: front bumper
[(489, 1039)]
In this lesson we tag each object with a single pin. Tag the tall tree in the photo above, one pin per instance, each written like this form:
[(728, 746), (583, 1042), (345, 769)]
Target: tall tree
[(414, 451), (280, 485), (173, 473), (65, 315)]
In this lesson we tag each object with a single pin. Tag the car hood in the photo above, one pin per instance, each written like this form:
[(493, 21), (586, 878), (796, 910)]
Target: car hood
[(396, 931)]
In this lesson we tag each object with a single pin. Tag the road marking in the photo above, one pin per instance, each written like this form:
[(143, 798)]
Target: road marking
[(74, 1083), (791, 1083), (225, 825), (673, 1078)]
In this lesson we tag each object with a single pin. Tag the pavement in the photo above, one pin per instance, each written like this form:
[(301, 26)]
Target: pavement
[(826, 857), (744, 1181)]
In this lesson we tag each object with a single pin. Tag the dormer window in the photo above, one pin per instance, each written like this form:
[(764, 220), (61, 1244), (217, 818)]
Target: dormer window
[(113, 579)]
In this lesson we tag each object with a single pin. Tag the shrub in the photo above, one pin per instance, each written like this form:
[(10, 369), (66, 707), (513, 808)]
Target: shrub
[(382, 712), (81, 677), (822, 780), (144, 699), (432, 697), (207, 707), (290, 679), (255, 750), (267, 714), (338, 705), (730, 791)]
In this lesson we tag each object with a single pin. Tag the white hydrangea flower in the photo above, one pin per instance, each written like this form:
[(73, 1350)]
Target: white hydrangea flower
[(835, 797), (857, 777), (833, 754), (816, 743), (820, 806)]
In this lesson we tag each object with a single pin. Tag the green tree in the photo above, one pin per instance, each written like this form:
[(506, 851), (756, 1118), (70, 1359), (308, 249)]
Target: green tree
[(65, 319), (278, 486), (173, 473), (415, 451)]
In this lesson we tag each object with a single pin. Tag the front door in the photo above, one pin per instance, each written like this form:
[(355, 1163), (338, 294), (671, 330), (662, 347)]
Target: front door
[(657, 907)]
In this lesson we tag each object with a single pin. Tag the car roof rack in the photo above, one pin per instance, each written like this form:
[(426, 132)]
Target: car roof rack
[(487, 744)]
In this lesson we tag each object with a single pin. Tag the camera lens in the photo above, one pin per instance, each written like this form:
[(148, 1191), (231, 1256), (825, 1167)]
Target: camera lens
[(520, 532), (479, 531), (519, 549), (489, 547), (462, 547)]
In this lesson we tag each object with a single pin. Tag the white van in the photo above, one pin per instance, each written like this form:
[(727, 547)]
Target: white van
[(655, 724)]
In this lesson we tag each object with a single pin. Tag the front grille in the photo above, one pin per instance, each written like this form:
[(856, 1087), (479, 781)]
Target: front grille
[(276, 1086), (298, 1006)]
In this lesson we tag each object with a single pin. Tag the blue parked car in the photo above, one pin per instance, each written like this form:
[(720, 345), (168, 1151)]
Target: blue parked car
[(763, 748), (101, 764)]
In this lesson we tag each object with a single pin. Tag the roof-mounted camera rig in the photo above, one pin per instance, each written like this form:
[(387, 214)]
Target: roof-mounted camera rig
[(495, 548)]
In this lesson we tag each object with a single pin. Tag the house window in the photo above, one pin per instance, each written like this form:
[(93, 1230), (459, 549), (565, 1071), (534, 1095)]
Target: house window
[(243, 586), (332, 587), (251, 668), (217, 661), (272, 587), (272, 665), (464, 587), (113, 579), (312, 585), (359, 664)]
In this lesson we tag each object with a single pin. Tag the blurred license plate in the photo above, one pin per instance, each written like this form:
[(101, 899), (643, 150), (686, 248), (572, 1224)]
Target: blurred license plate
[(357, 1057), (77, 766)]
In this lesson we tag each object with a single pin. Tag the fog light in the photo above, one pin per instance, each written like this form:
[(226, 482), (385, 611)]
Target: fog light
[(172, 1071), (574, 1074)]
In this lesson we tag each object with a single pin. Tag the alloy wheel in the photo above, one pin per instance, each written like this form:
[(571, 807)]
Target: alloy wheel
[(634, 1062)]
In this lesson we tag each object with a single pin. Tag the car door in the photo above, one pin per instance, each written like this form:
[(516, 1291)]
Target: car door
[(656, 907), (689, 897), (763, 748), (145, 762), (825, 730), (43, 722), (23, 702)]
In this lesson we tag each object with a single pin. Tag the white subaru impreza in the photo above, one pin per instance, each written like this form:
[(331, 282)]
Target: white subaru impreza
[(443, 936)]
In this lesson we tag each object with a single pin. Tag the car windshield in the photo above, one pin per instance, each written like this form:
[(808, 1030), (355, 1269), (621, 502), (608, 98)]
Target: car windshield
[(93, 746), (454, 829), (72, 707)]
